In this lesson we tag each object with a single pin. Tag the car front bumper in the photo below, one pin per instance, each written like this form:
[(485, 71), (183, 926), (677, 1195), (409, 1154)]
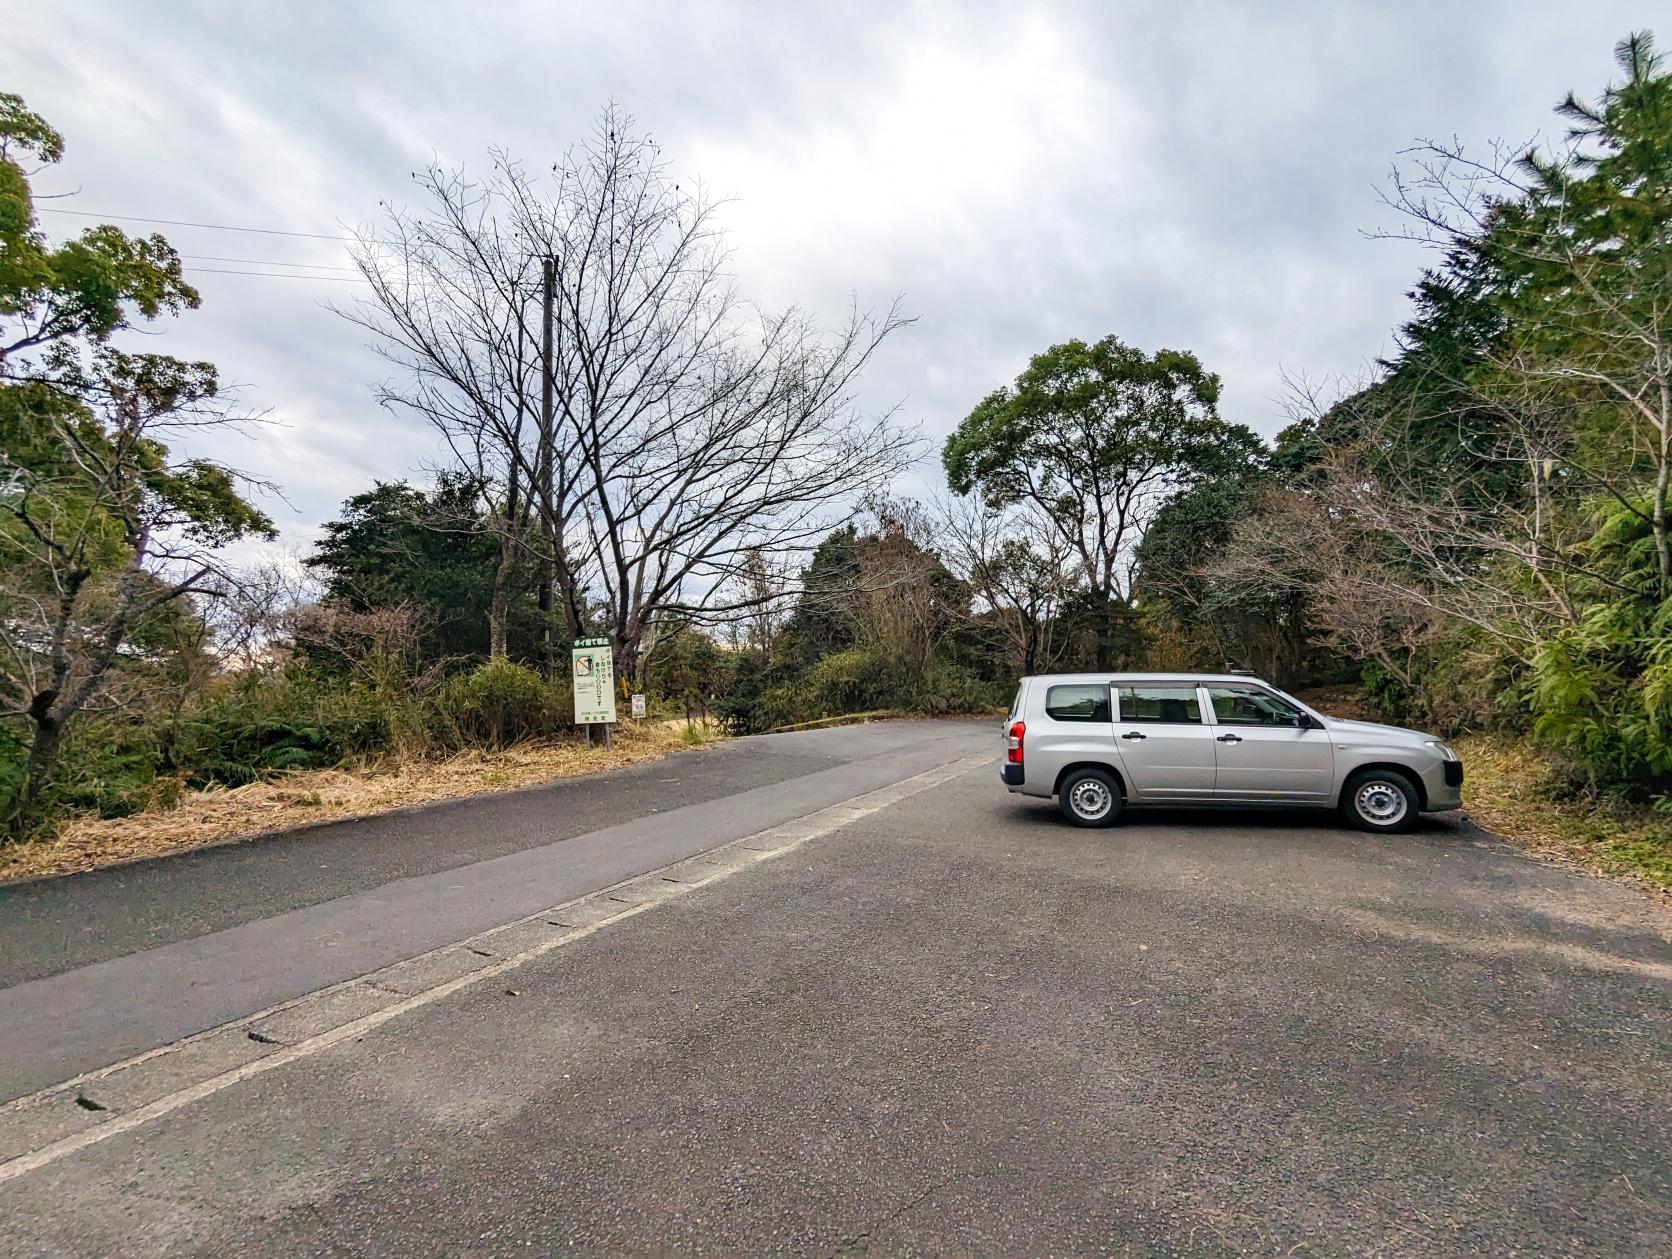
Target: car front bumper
[(1443, 785)]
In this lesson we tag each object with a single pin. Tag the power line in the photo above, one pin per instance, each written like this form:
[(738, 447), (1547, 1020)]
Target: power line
[(280, 275), (300, 267), (214, 227), (267, 262)]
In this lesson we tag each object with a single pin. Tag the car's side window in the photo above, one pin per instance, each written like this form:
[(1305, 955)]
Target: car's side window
[(1080, 702), (1165, 705), (1250, 706)]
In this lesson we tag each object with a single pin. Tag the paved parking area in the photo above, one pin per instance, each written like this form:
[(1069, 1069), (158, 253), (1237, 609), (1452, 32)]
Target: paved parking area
[(957, 1025)]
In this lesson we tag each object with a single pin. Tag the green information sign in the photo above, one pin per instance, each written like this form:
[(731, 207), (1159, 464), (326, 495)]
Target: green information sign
[(592, 669)]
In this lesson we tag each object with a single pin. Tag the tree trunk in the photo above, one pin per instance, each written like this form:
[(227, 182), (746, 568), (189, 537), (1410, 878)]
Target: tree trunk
[(22, 812), (548, 568), (574, 613), (628, 659), (510, 538), (1104, 659), (1663, 551), (499, 611)]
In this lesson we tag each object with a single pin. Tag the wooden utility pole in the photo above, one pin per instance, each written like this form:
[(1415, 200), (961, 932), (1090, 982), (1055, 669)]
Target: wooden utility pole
[(543, 466)]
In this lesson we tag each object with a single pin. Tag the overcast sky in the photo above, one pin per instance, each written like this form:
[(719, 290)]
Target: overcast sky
[(1191, 176)]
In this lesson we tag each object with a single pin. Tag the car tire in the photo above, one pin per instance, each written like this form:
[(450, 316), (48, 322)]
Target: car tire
[(1090, 797), (1383, 801)]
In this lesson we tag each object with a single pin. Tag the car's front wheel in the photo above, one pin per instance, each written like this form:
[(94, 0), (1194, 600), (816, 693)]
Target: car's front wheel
[(1381, 800), (1090, 797)]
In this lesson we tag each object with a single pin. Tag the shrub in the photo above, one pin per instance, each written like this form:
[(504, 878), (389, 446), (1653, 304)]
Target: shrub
[(1464, 681), (108, 767), (739, 705), (1386, 693), (950, 689), (291, 719), (500, 703), (14, 748), (1603, 696), (1602, 688), (857, 680), (776, 706)]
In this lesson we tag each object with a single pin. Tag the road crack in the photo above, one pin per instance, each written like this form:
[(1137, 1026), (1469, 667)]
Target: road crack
[(857, 1240)]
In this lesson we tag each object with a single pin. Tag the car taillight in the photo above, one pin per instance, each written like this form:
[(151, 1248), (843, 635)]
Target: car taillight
[(1013, 743)]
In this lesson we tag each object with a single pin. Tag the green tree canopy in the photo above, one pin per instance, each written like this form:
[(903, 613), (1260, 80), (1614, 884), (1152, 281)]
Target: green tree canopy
[(83, 289), (1098, 437), (397, 545), (104, 532), (824, 620)]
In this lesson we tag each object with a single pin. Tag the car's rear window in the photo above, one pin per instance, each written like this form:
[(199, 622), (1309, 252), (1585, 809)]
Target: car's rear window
[(1168, 705), (1081, 702)]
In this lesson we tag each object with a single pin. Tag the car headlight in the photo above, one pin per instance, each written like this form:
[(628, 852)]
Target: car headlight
[(1442, 748)]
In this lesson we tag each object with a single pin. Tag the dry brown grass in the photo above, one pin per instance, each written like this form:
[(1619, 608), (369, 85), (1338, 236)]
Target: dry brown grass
[(1508, 790), (323, 795)]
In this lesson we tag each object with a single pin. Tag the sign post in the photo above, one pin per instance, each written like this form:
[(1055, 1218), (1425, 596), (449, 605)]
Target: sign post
[(638, 706), (592, 672)]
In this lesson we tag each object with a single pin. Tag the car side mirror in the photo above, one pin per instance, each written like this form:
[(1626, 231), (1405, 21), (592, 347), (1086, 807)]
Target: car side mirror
[(1306, 722)]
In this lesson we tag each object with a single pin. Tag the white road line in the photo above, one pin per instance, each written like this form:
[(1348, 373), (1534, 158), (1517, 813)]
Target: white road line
[(791, 835)]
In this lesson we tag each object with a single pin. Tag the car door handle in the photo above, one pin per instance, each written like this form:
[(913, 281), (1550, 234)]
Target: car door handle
[(1230, 738), (1134, 734)]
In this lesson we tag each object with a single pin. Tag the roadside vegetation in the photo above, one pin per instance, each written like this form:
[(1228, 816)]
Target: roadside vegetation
[(1511, 791), (279, 802), (1474, 539)]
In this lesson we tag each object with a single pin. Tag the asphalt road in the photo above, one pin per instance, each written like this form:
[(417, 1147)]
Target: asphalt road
[(52, 925), (99, 966), (956, 1024)]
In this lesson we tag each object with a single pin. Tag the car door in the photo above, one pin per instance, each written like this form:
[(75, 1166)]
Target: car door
[(1266, 748), (1166, 748)]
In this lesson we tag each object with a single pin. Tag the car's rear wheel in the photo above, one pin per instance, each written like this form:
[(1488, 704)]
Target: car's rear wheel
[(1090, 797), (1381, 800)]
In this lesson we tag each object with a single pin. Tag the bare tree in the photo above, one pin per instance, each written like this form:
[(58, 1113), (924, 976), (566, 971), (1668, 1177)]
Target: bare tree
[(1384, 553), (693, 435), (456, 305), (904, 599), (1555, 309), (761, 596), (708, 434), (1020, 571), (228, 625), (1362, 600)]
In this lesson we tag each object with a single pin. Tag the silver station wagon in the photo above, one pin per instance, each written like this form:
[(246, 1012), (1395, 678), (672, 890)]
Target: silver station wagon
[(1099, 742)]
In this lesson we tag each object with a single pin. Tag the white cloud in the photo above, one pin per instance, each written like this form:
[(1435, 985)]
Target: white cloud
[(1194, 177)]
